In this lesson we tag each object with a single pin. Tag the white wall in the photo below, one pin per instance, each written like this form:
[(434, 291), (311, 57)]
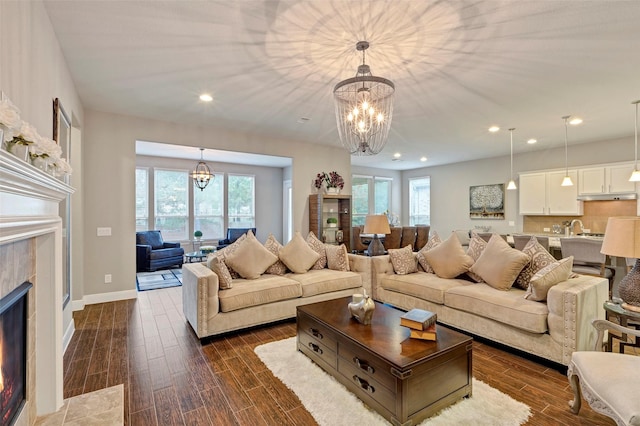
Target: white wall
[(33, 72), (268, 189), (450, 183)]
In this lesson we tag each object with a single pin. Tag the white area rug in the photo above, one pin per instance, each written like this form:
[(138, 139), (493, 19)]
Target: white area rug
[(331, 404)]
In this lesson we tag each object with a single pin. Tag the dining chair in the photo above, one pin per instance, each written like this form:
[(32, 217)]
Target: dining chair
[(608, 381), (519, 241), (358, 245), (408, 236), (587, 259), (422, 236), (392, 240)]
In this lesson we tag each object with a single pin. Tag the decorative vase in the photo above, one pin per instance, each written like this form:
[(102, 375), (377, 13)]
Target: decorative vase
[(19, 150), (40, 163), (333, 190), (361, 308)]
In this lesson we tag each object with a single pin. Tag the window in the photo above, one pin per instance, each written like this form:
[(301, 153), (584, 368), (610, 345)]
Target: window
[(241, 201), (369, 195), (142, 199), (172, 203), (420, 201), (208, 208)]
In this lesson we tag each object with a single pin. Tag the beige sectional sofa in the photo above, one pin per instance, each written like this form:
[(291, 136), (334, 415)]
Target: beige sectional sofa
[(250, 302), (551, 330)]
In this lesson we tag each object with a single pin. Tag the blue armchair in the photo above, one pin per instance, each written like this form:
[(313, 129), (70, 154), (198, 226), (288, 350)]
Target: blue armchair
[(152, 253), (232, 235)]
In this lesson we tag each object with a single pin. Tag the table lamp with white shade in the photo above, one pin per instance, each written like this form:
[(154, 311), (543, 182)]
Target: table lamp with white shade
[(622, 239), (376, 224)]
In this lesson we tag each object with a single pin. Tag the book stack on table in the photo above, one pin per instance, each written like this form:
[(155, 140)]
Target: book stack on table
[(421, 323)]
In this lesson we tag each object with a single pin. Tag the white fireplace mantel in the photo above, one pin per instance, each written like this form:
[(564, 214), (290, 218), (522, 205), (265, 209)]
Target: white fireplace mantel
[(29, 208)]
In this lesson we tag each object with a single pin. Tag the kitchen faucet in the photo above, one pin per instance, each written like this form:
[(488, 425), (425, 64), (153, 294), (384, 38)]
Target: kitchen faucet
[(573, 222)]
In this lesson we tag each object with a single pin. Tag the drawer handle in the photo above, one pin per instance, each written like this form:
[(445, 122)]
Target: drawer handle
[(364, 384), (364, 365), (315, 348), (316, 333)]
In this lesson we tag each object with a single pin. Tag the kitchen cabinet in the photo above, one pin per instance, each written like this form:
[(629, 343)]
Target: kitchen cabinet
[(606, 180), (335, 206), (541, 194)]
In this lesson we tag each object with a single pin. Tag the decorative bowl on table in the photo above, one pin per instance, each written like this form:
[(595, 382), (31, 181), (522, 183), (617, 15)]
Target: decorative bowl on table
[(207, 249)]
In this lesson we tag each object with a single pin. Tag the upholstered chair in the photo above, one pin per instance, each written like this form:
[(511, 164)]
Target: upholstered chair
[(392, 240), (232, 235), (587, 259), (153, 253), (358, 245), (408, 236), (519, 241), (609, 382)]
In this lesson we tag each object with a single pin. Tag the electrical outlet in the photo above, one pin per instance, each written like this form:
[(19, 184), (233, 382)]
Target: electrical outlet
[(104, 232), (107, 278), (546, 229)]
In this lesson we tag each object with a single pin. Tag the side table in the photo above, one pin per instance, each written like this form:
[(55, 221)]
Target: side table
[(195, 256), (626, 319)]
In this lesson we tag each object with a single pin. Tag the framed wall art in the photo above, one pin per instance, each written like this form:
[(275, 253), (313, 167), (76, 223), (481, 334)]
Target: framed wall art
[(486, 201)]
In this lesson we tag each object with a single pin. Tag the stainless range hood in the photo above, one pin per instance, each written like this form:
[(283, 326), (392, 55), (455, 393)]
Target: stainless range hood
[(608, 197)]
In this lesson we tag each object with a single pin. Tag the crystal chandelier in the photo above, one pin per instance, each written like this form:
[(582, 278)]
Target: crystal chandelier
[(201, 175), (364, 108)]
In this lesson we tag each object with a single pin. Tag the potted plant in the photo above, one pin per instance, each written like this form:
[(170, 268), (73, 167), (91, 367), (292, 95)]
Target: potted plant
[(197, 235), (333, 181), (332, 222)]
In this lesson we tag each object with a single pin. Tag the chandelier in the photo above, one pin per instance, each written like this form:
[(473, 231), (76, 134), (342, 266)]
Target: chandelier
[(364, 107), (201, 175)]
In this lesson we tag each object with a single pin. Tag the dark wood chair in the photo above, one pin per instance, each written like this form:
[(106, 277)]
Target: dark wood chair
[(392, 240), (408, 236), (422, 236), (358, 245)]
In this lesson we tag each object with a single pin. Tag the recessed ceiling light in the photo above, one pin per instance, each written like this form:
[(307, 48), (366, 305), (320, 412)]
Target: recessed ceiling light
[(532, 141), (423, 159), (494, 129), (575, 121), (205, 97), (397, 155)]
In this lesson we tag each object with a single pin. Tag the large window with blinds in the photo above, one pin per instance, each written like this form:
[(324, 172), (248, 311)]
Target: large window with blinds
[(369, 195)]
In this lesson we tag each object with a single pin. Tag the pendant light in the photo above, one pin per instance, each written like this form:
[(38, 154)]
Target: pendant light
[(511, 185), (202, 174), (635, 176), (567, 180)]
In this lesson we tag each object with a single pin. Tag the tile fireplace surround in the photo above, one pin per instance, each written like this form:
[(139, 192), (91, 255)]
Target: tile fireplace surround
[(31, 249)]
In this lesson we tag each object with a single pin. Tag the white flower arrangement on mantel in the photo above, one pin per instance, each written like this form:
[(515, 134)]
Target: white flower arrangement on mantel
[(22, 139)]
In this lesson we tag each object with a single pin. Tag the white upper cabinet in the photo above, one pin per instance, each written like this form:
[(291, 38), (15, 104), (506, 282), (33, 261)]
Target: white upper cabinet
[(606, 180), (541, 193)]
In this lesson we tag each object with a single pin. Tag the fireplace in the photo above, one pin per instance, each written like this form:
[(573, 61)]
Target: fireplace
[(13, 353)]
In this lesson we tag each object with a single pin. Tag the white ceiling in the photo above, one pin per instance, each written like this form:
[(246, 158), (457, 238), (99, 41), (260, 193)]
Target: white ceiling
[(458, 67)]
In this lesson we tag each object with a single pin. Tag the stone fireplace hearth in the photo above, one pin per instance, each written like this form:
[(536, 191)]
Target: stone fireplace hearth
[(31, 250)]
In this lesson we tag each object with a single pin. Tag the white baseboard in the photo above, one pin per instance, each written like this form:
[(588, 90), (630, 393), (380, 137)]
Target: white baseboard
[(68, 334), (113, 296)]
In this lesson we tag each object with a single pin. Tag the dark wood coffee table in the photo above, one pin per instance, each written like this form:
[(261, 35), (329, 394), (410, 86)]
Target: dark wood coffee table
[(405, 380)]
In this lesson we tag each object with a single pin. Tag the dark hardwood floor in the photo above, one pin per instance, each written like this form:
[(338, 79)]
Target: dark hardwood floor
[(170, 378)]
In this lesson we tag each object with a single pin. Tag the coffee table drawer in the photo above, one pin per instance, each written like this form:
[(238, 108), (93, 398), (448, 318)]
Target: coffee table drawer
[(320, 333), (318, 352), (365, 385), (367, 364)]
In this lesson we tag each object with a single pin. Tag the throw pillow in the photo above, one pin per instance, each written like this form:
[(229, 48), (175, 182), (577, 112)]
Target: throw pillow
[(215, 262), (547, 277), (274, 247), (337, 257), (317, 246), (499, 264), (297, 255), (540, 258), (403, 260), (448, 259), (228, 250), (433, 241), (477, 245), (251, 259)]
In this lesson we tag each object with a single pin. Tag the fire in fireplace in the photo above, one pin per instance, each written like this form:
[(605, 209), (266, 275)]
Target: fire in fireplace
[(13, 353)]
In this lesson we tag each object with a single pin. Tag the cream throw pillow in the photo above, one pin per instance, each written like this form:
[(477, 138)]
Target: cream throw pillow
[(547, 277), (250, 259), (499, 264), (337, 257), (274, 247), (448, 259), (540, 258), (433, 242), (228, 250), (317, 246), (297, 255), (216, 264), (476, 246), (403, 260)]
